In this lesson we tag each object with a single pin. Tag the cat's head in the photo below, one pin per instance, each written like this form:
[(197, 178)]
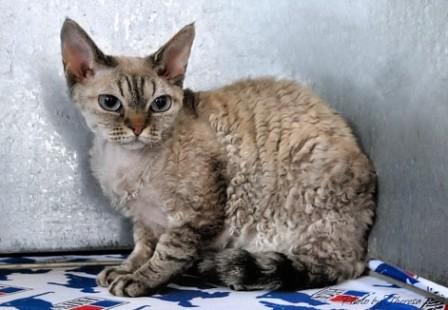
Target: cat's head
[(131, 101)]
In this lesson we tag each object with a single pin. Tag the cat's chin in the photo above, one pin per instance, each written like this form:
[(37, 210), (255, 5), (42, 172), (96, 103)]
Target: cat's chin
[(133, 146)]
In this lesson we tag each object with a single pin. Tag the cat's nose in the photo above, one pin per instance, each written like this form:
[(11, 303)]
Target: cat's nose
[(135, 122), (136, 128)]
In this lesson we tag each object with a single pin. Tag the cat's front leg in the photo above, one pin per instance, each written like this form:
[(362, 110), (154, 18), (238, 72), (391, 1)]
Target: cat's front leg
[(144, 244), (175, 252)]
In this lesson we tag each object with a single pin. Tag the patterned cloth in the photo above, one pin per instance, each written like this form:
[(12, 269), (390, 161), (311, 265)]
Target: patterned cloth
[(75, 288)]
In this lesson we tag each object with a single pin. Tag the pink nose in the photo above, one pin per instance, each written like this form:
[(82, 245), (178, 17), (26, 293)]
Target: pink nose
[(136, 123), (137, 129)]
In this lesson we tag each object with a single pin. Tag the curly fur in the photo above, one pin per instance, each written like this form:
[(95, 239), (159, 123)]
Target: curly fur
[(258, 185)]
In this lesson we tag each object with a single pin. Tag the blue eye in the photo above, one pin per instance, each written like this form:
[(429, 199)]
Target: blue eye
[(161, 104), (109, 103)]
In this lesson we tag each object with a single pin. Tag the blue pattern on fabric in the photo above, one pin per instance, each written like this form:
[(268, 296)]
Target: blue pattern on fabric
[(29, 303), (76, 287), (293, 297), (17, 260), (93, 270), (184, 298), (355, 293), (106, 303), (274, 306), (84, 284), (5, 273)]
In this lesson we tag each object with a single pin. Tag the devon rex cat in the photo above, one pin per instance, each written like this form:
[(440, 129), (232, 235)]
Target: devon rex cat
[(257, 185)]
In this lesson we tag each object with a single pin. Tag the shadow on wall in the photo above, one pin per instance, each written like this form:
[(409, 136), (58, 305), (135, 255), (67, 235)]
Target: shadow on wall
[(70, 125), (402, 128)]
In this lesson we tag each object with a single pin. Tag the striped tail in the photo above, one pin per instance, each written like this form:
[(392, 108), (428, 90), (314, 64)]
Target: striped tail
[(241, 270)]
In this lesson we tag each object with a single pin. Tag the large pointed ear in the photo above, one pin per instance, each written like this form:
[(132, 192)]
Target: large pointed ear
[(171, 60), (80, 56)]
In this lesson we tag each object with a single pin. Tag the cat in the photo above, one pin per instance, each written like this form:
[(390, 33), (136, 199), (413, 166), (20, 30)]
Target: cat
[(258, 185)]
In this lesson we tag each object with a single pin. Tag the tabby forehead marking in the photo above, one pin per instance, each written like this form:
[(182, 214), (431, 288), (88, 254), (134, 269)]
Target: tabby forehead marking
[(133, 88)]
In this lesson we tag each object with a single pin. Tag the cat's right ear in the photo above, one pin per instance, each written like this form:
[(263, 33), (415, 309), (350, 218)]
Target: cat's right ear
[(171, 60), (80, 55)]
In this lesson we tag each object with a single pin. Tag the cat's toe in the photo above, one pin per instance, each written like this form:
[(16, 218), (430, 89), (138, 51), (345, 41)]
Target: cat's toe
[(109, 274), (129, 286)]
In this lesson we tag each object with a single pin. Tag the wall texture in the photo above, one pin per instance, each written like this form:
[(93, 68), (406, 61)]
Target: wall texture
[(382, 64)]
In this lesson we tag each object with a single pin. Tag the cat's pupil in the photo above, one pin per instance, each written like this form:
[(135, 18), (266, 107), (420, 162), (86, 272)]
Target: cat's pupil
[(110, 101), (161, 102)]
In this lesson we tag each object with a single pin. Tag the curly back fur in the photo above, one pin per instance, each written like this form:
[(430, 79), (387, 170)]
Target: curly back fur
[(298, 182), (258, 185)]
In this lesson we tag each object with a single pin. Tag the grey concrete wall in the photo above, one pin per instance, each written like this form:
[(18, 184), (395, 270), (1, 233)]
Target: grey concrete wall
[(382, 64)]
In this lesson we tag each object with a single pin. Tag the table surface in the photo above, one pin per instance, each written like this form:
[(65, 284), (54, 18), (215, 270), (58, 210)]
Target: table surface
[(75, 288)]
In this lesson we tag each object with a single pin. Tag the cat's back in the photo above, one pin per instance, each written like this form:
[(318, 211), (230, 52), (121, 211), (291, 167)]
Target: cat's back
[(285, 149), (252, 90), (273, 127), (251, 105)]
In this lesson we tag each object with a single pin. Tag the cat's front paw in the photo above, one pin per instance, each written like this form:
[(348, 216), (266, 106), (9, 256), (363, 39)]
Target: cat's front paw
[(130, 285), (109, 274)]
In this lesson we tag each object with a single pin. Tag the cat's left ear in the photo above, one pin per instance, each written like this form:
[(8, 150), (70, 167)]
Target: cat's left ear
[(80, 55), (171, 60)]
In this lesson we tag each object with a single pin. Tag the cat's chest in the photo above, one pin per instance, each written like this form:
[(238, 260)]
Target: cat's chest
[(128, 179)]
